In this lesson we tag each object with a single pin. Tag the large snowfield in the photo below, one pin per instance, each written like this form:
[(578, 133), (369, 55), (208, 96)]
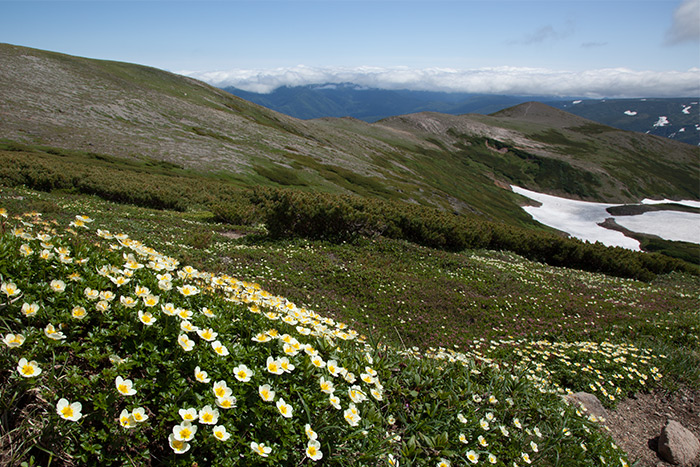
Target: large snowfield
[(580, 219)]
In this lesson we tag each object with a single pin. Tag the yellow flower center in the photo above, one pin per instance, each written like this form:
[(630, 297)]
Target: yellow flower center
[(185, 433), (28, 370), (67, 411), (207, 417), (123, 388)]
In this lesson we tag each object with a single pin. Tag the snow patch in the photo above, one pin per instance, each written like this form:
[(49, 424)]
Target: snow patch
[(576, 102), (662, 121), (670, 225), (686, 110), (580, 219), (684, 202), (631, 113)]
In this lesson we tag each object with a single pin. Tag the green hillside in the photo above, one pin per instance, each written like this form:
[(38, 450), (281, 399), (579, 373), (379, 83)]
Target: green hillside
[(456, 163), (189, 279), (446, 356)]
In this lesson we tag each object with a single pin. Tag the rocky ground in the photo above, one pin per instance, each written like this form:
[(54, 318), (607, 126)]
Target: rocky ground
[(637, 422)]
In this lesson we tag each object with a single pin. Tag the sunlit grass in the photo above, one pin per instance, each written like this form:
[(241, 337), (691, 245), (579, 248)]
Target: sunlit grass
[(96, 309)]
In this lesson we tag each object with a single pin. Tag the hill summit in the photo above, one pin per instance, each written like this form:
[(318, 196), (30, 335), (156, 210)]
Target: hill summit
[(456, 163)]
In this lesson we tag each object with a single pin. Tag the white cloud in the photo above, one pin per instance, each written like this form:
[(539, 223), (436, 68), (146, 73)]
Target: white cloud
[(547, 33), (686, 23), (609, 82)]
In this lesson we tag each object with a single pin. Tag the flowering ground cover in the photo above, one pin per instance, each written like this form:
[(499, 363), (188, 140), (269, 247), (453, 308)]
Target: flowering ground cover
[(142, 337)]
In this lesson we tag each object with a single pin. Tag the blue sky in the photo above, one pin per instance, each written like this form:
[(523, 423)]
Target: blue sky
[(573, 47)]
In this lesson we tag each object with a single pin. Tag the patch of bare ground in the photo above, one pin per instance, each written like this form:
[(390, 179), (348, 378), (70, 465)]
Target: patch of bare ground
[(233, 234), (636, 423)]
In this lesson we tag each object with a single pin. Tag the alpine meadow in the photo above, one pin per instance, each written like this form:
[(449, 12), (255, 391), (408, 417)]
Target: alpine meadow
[(190, 279)]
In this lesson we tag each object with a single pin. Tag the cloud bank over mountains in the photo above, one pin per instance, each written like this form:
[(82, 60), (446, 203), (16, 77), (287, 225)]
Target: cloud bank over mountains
[(609, 82)]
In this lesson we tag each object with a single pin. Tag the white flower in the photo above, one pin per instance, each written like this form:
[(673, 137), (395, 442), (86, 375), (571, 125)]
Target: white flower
[(226, 402), (9, 289), (69, 411), (126, 420), (13, 340), (284, 408), (219, 348), (188, 290), (125, 386), (189, 415), (313, 450), (58, 285), (310, 433), (139, 415), (146, 318), (185, 342), (326, 385), (273, 366), (243, 373), (28, 369), (356, 394), (351, 415), (180, 447), (260, 449), (29, 309), (201, 375), (266, 393), (185, 431), (207, 334), (221, 389), (51, 332), (208, 416), (220, 433)]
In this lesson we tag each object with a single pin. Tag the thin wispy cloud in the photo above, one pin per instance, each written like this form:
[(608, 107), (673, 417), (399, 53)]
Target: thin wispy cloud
[(609, 82), (547, 33), (593, 45), (686, 23)]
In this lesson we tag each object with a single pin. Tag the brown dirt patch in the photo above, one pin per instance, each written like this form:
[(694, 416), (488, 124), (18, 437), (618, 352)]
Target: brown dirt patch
[(233, 234), (637, 422)]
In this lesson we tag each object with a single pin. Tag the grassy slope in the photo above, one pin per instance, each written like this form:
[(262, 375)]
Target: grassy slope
[(147, 114), (487, 304)]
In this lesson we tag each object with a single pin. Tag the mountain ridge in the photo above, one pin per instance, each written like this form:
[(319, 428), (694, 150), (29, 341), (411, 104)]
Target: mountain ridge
[(372, 104), (453, 162)]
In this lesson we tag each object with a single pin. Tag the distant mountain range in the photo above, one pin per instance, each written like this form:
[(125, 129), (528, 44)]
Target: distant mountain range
[(676, 118), (459, 163)]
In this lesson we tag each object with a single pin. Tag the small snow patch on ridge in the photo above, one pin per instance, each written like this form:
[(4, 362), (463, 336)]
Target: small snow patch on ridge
[(662, 121), (631, 113), (686, 109), (576, 102)]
